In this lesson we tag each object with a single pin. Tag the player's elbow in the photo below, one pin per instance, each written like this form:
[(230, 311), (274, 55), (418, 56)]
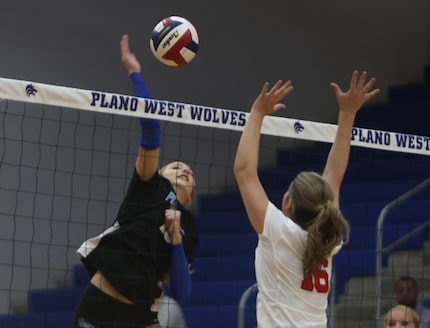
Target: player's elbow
[(241, 170)]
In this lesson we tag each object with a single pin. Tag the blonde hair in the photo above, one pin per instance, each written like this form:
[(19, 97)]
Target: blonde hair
[(407, 310), (313, 209)]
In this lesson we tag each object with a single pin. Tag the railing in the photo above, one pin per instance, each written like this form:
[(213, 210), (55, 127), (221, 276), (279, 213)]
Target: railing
[(242, 304), (380, 251), (254, 288)]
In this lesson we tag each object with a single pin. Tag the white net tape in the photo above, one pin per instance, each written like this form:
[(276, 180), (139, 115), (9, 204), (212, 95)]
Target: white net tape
[(104, 102)]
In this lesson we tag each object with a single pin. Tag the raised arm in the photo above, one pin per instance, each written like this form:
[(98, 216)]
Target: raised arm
[(349, 104), (246, 162), (180, 278), (150, 138)]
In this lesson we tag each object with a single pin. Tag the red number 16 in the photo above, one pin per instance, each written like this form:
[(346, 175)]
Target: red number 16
[(319, 280)]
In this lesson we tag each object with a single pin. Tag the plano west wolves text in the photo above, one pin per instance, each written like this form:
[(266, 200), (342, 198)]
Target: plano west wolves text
[(386, 138), (167, 109)]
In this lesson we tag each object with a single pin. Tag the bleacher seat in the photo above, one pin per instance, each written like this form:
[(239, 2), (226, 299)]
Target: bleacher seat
[(223, 222), (229, 268), (353, 262), (367, 213), (54, 299), (227, 244), (365, 236), (80, 275), (216, 292), (218, 316), (52, 319)]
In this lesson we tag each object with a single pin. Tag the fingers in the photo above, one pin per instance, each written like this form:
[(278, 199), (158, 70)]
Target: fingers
[(279, 90), (353, 82), (279, 86), (336, 88), (362, 85), (279, 106), (373, 93), (369, 84), (125, 49), (267, 101), (286, 88), (124, 42), (264, 88), (359, 82), (358, 85), (172, 215), (276, 86), (362, 79), (365, 88), (172, 220)]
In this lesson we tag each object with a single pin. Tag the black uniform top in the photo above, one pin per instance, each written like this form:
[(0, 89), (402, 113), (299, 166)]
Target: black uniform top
[(135, 256)]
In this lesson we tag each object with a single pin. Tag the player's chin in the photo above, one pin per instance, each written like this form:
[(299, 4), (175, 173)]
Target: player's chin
[(184, 184)]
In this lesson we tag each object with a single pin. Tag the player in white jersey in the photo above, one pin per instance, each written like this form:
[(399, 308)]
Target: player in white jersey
[(293, 257)]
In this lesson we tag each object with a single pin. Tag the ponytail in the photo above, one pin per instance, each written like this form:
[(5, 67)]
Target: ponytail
[(328, 229), (314, 211)]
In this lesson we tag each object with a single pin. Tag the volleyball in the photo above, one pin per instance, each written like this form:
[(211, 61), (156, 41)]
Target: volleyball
[(174, 41)]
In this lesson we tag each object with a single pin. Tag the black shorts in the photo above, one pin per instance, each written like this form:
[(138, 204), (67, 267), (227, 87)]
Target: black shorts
[(99, 310)]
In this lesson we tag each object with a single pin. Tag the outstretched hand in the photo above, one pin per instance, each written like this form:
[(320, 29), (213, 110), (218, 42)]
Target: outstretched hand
[(129, 60), (268, 101), (358, 93)]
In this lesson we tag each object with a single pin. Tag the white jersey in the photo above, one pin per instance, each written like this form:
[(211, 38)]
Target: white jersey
[(284, 298)]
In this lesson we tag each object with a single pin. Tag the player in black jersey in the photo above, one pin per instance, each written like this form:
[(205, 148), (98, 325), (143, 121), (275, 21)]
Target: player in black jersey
[(152, 240)]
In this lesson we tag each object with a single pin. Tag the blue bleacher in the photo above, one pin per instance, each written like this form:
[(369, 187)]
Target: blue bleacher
[(216, 222), (221, 245), (353, 262), (366, 213), (225, 292), (365, 236), (218, 316), (51, 319), (224, 267), (54, 299)]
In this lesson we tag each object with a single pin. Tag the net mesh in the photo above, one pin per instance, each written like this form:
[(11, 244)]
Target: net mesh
[(64, 173)]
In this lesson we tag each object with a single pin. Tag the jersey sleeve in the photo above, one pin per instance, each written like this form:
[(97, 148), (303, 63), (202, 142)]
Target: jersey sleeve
[(278, 226), (272, 219)]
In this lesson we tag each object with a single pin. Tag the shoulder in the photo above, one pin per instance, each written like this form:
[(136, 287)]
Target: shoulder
[(155, 177), (336, 249), (275, 216), (276, 223), (156, 181), (156, 189)]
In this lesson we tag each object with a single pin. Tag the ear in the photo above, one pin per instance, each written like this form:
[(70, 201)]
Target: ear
[(289, 207)]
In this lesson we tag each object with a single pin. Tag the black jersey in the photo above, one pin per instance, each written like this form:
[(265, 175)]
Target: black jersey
[(135, 256)]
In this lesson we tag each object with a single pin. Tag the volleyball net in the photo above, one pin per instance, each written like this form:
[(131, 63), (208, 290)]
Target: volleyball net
[(111, 103), (66, 157)]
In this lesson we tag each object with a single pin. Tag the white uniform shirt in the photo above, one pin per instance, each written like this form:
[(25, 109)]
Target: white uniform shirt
[(281, 300)]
